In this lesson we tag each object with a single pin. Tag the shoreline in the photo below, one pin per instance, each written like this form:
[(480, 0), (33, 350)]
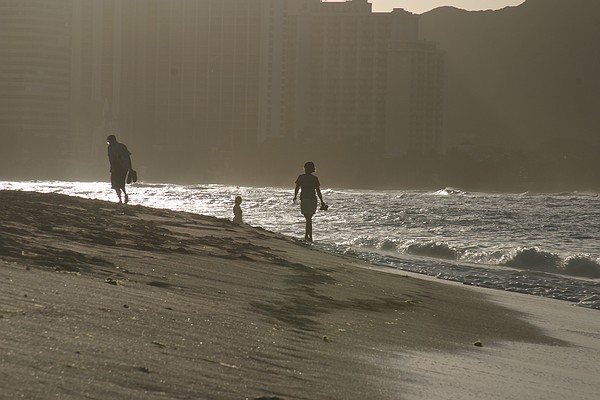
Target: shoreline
[(135, 302)]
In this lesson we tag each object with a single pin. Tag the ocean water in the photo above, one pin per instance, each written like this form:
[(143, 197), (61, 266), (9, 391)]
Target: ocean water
[(540, 244)]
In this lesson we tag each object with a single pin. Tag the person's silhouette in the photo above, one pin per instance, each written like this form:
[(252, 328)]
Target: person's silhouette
[(237, 210), (120, 165), (309, 187)]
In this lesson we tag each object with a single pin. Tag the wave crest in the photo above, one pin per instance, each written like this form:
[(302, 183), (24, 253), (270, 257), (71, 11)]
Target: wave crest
[(583, 266), (538, 260), (533, 259), (449, 191), (432, 249)]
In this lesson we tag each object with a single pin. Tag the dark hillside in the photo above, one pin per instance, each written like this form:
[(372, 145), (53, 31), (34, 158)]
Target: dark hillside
[(523, 83)]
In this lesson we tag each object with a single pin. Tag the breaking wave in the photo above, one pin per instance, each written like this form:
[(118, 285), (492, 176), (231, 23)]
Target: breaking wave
[(538, 260), (432, 249), (525, 259), (582, 266), (449, 191), (533, 259)]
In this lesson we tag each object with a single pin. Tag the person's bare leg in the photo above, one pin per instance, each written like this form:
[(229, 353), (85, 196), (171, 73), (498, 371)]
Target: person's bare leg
[(126, 197), (118, 191), (305, 227), (308, 234)]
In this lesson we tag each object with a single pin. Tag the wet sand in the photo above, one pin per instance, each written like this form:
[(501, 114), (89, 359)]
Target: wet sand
[(100, 301)]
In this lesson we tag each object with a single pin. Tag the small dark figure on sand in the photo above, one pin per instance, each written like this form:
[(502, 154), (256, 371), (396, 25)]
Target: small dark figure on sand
[(120, 165), (237, 210), (310, 188)]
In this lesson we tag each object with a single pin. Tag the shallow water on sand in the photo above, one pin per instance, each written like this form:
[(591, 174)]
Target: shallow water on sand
[(541, 244)]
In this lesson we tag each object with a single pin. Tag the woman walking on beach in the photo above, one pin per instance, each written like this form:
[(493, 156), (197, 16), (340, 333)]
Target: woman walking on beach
[(310, 187)]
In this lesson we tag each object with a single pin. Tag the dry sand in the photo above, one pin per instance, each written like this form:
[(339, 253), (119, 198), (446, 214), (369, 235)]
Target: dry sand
[(99, 301)]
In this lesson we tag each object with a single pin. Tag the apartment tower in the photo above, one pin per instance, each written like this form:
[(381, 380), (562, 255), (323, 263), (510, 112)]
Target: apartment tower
[(35, 51), (194, 85)]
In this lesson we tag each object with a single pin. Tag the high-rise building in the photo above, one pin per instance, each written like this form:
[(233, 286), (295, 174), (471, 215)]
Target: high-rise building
[(190, 78), (192, 84), (414, 100), (357, 77), (35, 51), (96, 81), (338, 70)]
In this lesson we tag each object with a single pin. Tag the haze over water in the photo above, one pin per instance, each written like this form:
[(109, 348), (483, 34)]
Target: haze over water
[(509, 98), (541, 244)]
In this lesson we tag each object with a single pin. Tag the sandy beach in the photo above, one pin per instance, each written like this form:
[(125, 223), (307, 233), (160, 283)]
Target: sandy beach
[(99, 301)]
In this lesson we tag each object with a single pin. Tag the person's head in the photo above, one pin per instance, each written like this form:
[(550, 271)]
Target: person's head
[(111, 139), (238, 200), (309, 167)]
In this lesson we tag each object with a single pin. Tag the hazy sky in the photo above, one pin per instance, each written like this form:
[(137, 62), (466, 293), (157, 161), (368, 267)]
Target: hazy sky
[(421, 6)]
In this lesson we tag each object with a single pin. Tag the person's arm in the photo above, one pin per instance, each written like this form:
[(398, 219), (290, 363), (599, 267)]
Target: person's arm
[(113, 158), (296, 191), (130, 168), (320, 195), (318, 190)]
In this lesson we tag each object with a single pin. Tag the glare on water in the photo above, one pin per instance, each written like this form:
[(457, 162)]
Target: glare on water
[(542, 244)]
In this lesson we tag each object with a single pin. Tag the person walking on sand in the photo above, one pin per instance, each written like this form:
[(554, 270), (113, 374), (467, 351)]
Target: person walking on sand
[(120, 165), (237, 210), (310, 188)]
